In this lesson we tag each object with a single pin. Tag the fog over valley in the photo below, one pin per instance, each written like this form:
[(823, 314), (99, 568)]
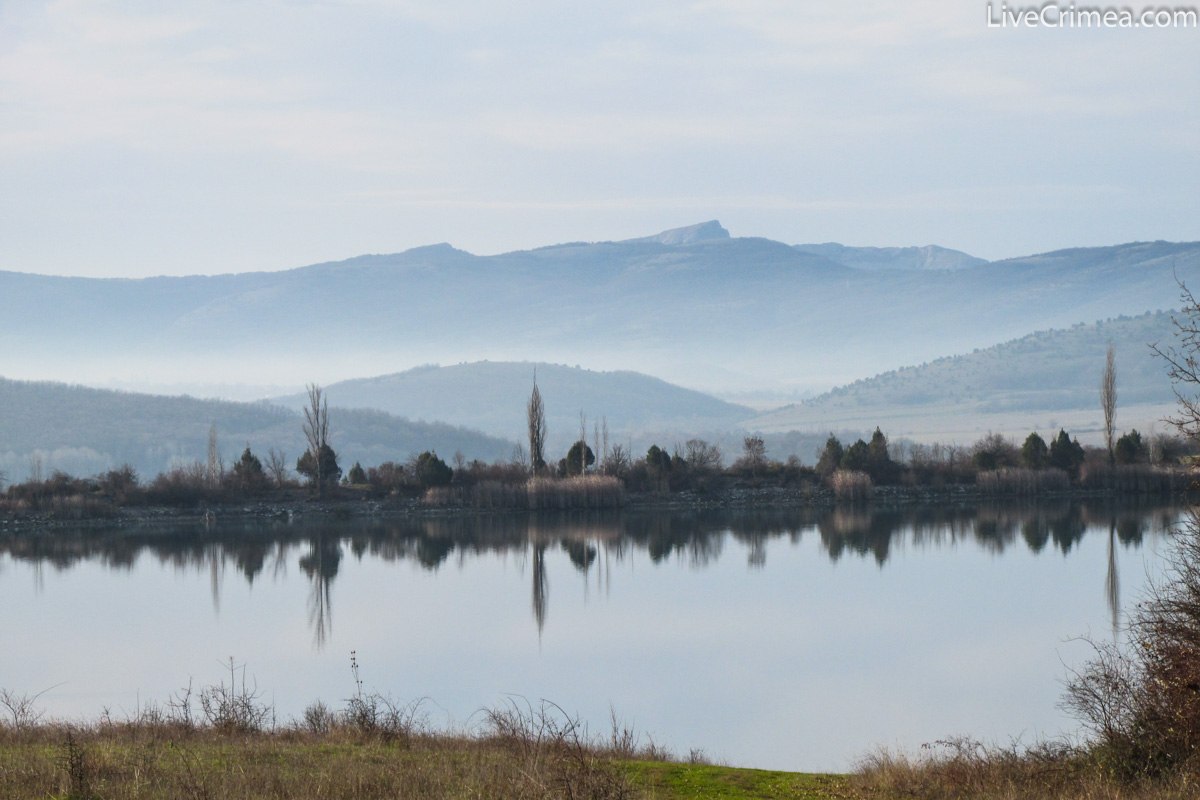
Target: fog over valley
[(659, 338)]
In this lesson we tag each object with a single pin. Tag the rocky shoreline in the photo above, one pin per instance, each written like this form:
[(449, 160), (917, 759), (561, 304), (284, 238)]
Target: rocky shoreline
[(302, 508)]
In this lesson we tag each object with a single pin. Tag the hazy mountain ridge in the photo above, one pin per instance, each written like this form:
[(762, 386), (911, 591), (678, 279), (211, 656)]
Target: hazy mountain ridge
[(928, 257), (1037, 376), (83, 431), (693, 308), (704, 231), (492, 397)]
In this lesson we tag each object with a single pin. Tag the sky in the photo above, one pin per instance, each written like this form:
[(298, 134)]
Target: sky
[(147, 138)]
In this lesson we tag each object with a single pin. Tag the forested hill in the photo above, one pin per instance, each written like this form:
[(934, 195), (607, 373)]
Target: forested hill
[(695, 306), (84, 431)]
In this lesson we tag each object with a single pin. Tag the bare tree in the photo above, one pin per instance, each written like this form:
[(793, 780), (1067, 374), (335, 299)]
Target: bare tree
[(700, 455), (519, 457), (1108, 402), (618, 461), (536, 414), (277, 466), (596, 446), (316, 430), (1183, 364), (583, 439), (754, 454), (216, 469), (604, 445)]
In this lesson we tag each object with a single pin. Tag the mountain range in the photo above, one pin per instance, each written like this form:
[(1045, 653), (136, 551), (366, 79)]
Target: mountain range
[(694, 306)]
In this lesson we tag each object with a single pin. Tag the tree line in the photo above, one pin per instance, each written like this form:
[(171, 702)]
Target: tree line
[(850, 470)]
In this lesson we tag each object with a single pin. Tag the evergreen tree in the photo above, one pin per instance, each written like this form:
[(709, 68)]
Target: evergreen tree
[(1034, 454), (831, 457), (880, 466), (1066, 453), (431, 470), (857, 457), (326, 472), (579, 458), (248, 472), (1130, 449)]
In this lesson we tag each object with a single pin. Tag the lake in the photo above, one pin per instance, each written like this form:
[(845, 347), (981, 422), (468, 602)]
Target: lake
[(776, 639)]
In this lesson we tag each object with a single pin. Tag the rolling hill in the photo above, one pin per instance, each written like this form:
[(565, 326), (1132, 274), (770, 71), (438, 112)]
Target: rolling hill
[(1043, 380), (83, 431), (491, 397)]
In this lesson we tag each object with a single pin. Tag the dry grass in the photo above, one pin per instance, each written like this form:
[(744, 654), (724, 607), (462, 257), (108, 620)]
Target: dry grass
[(588, 491), (1019, 482), (851, 487), (964, 769), (1139, 703), (1135, 479), (580, 492), (527, 752)]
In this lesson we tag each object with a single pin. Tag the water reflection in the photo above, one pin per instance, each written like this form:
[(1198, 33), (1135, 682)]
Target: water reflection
[(590, 542), (320, 564)]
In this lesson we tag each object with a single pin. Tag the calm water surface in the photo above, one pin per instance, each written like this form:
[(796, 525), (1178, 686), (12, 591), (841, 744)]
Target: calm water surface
[(781, 640)]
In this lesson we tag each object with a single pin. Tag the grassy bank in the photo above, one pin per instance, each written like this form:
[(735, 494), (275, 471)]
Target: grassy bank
[(144, 762)]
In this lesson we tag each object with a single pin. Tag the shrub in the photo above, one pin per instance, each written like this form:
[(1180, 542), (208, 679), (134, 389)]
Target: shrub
[(1141, 701), (591, 491), (430, 470), (389, 477), (234, 708), (1132, 479), (185, 485), (1022, 482), (851, 486), (554, 754), (995, 452)]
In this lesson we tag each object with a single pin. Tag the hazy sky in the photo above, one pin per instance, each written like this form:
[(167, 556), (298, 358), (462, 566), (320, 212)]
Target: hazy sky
[(145, 138)]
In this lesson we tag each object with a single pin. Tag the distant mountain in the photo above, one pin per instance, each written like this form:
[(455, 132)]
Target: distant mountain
[(491, 396), (703, 232), (930, 257), (84, 431), (1045, 379), (692, 306)]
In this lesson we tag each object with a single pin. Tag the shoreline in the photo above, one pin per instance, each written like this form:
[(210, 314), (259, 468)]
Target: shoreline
[(298, 507)]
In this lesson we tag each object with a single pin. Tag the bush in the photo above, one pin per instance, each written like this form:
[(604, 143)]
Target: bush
[(1141, 701), (1133, 479), (233, 708), (851, 486), (1022, 482), (430, 470), (591, 491), (186, 485), (554, 755)]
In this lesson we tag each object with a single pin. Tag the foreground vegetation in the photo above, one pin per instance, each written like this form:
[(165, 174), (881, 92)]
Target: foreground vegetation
[(371, 750), (1139, 702)]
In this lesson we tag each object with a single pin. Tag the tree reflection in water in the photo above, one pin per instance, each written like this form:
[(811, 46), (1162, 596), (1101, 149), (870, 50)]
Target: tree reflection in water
[(320, 564), (590, 541)]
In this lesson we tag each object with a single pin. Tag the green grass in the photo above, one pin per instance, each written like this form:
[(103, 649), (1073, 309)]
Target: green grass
[(671, 781), (137, 762)]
